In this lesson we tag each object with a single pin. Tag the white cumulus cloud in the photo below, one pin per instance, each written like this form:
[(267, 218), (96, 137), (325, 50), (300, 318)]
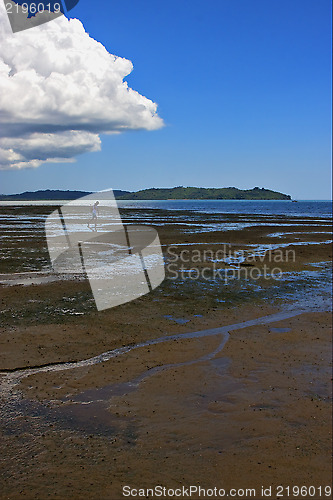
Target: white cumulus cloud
[(59, 90)]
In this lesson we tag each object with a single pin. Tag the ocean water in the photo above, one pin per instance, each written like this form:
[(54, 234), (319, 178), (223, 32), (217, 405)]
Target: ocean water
[(303, 208), (22, 219)]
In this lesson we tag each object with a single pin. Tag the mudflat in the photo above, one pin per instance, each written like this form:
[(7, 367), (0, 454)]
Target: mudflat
[(219, 378)]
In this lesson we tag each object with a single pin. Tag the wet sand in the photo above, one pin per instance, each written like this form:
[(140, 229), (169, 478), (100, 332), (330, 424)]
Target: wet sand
[(241, 407)]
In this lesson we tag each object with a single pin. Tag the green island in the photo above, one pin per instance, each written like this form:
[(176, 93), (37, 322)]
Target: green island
[(195, 193), (176, 193)]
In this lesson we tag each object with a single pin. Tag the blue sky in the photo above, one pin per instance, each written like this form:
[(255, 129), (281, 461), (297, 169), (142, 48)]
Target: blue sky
[(243, 88)]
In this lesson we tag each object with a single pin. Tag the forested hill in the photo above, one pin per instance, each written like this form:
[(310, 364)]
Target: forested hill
[(194, 193), (52, 194), (176, 193)]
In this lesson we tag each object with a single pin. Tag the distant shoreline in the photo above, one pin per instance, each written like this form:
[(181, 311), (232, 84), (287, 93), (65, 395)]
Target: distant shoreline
[(158, 194), (56, 202)]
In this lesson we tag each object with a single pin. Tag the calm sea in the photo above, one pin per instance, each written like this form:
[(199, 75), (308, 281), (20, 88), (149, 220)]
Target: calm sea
[(307, 208), (302, 208)]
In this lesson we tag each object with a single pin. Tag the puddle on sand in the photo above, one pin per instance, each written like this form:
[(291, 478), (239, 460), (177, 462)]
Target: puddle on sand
[(36, 278), (279, 330), (179, 321), (36, 418)]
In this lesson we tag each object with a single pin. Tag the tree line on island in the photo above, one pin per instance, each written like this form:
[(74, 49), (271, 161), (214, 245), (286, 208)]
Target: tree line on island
[(176, 193)]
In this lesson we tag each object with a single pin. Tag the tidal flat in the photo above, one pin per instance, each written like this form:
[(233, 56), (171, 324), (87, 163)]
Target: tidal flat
[(220, 377)]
